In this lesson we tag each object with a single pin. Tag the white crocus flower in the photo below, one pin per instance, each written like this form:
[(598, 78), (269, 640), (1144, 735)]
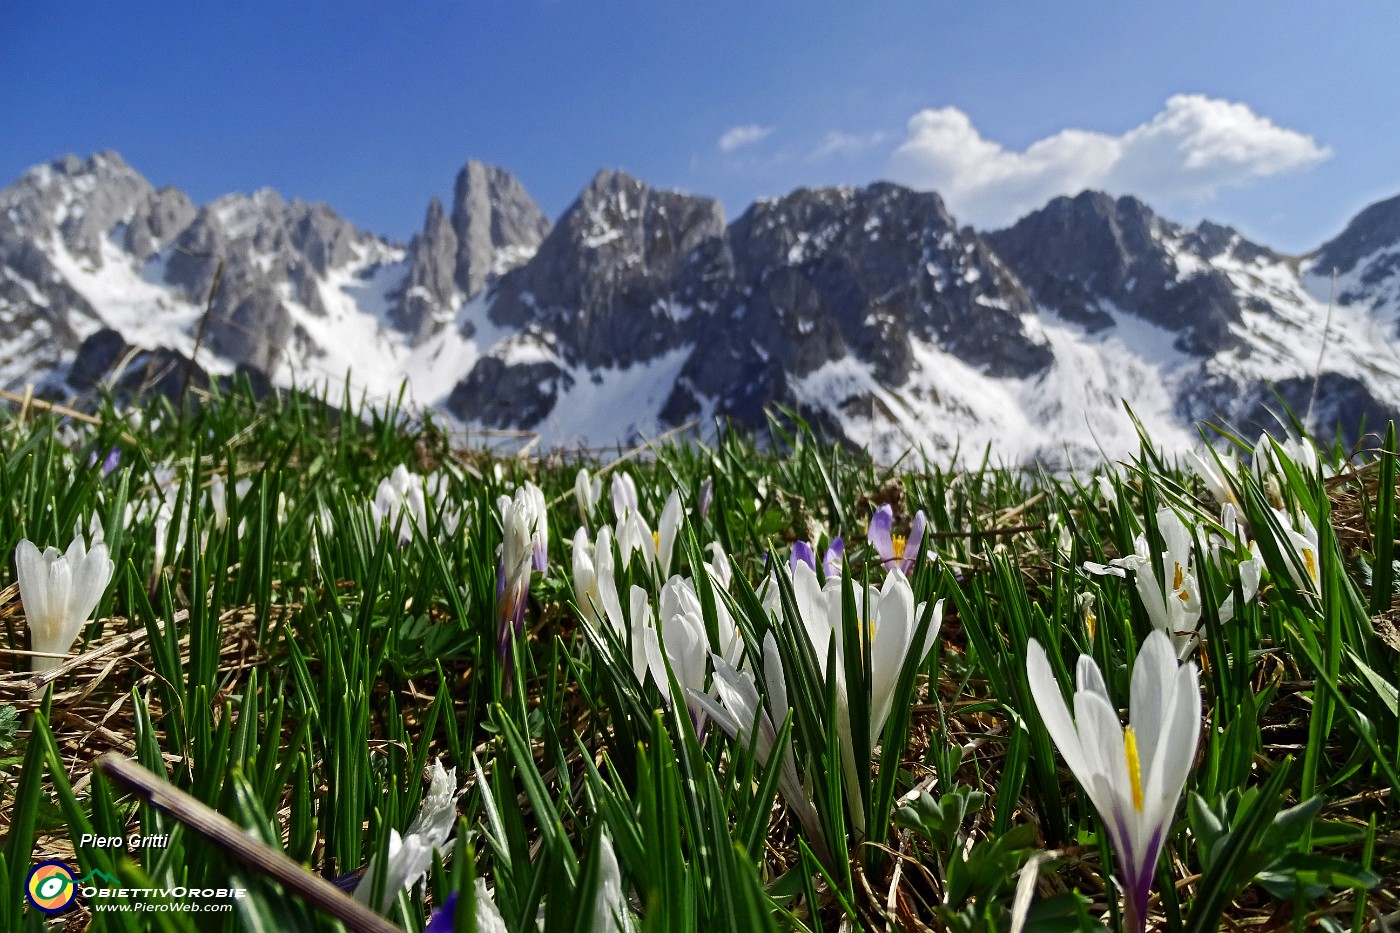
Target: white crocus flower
[(624, 495), (634, 534), (666, 530), (1134, 775), (587, 491), (886, 635), (520, 551), (398, 501), (611, 913), (517, 543), (586, 594), (1064, 539), (681, 639), (219, 499), (488, 915), (59, 593), (741, 713), (411, 855), (537, 513), (1250, 569), (322, 526), (1301, 556), (1216, 470), (1269, 455), (595, 582), (595, 590), (639, 628), (1173, 604), (720, 570)]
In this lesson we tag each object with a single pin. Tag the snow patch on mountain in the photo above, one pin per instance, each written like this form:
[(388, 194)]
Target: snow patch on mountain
[(612, 405)]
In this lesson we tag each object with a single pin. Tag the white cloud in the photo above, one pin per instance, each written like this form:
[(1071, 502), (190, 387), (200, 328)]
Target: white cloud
[(846, 145), (737, 137), (1194, 147)]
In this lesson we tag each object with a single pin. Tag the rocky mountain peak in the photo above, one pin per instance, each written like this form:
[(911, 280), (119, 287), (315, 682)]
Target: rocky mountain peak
[(618, 272), (1092, 255), (497, 225), (1365, 255), (871, 275), (430, 293), (869, 310), (81, 200)]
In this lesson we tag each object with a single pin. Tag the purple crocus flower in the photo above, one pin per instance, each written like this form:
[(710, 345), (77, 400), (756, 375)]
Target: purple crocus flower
[(109, 463), (831, 560), (896, 551), (444, 917), (803, 552)]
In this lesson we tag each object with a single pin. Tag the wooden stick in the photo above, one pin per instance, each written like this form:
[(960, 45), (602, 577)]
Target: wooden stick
[(28, 401), (240, 845)]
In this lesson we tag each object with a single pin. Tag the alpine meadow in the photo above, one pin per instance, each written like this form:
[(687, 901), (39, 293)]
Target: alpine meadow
[(755, 683)]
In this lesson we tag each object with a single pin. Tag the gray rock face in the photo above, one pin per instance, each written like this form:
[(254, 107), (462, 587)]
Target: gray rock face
[(822, 275), (500, 395), (630, 273), (617, 279), (272, 251), (498, 226), (98, 356), (157, 221), (1366, 255), (1086, 255), (429, 295), (1343, 406), (1375, 229)]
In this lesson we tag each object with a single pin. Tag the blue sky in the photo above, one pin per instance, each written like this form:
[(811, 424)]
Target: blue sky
[(1289, 124)]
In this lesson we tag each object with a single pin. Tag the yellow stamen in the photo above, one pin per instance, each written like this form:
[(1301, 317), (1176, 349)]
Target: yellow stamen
[(899, 542), (656, 539), (1091, 622), (1184, 596), (1310, 560), (1176, 581), (1134, 767)]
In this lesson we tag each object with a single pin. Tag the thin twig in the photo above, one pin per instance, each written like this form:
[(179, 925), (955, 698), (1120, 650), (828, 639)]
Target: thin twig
[(1322, 352), (218, 829), (199, 334), (29, 401)]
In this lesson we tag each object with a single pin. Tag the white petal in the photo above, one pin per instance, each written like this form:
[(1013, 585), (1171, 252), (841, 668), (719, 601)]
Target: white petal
[(610, 912), (776, 678), (1154, 674), (90, 582), (1054, 712), (1101, 736), (32, 572), (668, 526), (1088, 677), (488, 915)]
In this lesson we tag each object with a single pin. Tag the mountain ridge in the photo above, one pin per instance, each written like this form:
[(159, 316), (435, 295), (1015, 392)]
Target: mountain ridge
[(870, 309)]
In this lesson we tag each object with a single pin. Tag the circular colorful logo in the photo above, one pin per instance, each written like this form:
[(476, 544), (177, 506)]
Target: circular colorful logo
[(51, 886)]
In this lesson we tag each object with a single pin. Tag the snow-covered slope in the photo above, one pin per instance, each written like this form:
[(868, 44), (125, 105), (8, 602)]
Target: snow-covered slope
[(868, 310)]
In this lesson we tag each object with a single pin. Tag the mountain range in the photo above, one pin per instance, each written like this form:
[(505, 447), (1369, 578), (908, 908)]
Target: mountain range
[(870, 311)]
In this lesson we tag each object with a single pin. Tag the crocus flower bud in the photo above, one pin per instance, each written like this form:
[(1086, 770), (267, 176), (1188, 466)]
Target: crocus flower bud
[(60, 593)]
